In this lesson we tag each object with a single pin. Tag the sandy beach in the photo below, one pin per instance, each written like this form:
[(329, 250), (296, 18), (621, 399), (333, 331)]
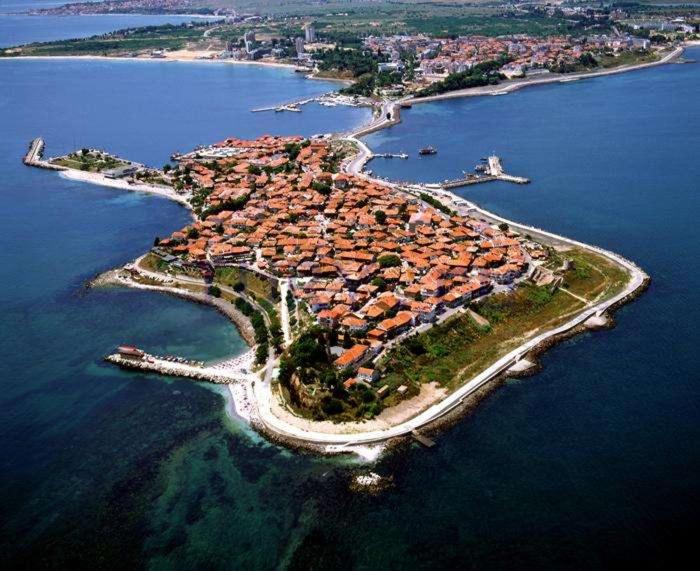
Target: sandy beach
[(101, 180), (184, 56)]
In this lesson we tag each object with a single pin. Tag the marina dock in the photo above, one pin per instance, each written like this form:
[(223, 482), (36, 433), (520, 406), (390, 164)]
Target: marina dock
[(290, 106), (493, 170), (388, 156)]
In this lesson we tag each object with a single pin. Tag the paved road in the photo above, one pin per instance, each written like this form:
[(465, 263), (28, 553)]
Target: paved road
[(284, 312)]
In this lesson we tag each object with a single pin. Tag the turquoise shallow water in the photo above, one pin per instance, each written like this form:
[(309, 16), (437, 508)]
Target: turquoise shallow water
[(592, 463)]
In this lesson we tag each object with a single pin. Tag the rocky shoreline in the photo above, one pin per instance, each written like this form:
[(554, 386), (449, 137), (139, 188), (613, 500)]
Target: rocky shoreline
[(242, 323)]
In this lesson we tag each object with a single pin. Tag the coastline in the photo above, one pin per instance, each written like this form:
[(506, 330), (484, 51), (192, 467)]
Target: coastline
[(502, 89), (432, 418), (308, 74), (180, 58), (241, 322), (213, 17)]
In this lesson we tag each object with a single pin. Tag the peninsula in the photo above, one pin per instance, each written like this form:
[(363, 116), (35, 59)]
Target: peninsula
[(373, 309)]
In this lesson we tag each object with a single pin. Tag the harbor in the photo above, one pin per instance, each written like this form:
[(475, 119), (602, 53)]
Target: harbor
[(488, 170), (330, 99)]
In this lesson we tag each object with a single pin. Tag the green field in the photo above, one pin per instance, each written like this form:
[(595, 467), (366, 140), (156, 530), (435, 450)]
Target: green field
[(259, 287), (118, 43), (457, 350), (88, 161), (626, 58)]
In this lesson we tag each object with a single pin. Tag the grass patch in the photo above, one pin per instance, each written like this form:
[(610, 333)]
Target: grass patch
[(455, 351), (155, 263), (89, 161), (260, 287), (626, 58), (594, 277)]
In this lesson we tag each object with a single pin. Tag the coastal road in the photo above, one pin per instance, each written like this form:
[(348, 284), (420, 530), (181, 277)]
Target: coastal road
[(282, 427), (284, 312), (198, 282), (358, 162)]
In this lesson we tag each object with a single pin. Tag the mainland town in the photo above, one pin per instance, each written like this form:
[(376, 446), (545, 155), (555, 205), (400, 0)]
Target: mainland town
[(421, 60)]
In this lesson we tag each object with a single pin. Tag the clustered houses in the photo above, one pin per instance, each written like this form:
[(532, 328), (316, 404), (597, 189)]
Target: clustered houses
[(369, 260), (438, 57)]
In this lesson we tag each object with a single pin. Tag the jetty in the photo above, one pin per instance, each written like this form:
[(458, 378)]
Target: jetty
[(231, 371), (493, 170), (290, 106), (34, 156), (389, 156)]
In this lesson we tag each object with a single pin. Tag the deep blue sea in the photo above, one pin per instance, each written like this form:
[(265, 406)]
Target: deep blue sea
[(17, 28), (592, 463)]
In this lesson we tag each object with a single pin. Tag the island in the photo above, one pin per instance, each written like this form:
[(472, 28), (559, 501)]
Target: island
[(374, 310)]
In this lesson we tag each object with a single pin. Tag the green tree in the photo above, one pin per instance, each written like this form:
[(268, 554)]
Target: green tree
[(261, 353), (380, 217), (321, 187), (389, 261)]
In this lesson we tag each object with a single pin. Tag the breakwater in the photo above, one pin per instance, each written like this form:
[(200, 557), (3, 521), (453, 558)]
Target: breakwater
[(33, 157), (494, 171), (225, 374)]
